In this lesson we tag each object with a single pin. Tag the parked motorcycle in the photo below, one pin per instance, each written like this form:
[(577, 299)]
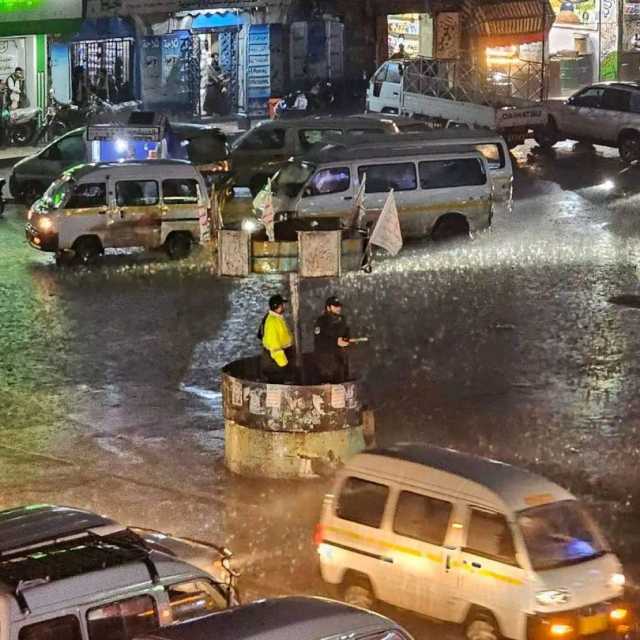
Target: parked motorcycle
[(319, 99), (18, 126), (322, 96), (2, 181), (62, 117)]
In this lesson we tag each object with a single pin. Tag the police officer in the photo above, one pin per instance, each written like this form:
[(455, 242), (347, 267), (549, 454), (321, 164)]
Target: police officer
[(331, 340), (277, 343)]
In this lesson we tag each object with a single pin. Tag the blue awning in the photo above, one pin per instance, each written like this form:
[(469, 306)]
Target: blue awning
[(217, 20), (105, 29)]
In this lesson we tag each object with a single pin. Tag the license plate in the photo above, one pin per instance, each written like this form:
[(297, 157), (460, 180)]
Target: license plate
[(593, 624)]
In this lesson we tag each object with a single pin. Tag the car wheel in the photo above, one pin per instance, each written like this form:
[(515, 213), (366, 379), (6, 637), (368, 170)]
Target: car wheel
[(178, 245), (546, 136), (482, 626), (86, 251), (359, 593), (23, 133), (450, 226), (629, 148)]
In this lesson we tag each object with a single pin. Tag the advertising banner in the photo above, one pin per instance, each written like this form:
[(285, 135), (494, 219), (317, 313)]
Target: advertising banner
[(12, 55)]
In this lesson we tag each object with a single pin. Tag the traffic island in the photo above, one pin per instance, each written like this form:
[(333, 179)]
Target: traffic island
[(289, 431)]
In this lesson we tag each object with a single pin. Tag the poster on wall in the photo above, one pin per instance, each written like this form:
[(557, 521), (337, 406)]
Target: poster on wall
[(12, 55), (609, 40), (152, 68), (21, 10), (59, 55), (447, 36), (577, 14)]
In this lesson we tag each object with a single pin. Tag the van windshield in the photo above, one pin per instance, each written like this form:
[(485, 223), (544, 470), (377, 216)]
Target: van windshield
[(56, 196), (560, 534), (292, 178)]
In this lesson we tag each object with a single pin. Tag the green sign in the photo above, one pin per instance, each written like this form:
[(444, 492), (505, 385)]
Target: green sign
[(19, 10)]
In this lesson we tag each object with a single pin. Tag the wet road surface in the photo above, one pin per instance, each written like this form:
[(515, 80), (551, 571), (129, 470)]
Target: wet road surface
[(520, 345)]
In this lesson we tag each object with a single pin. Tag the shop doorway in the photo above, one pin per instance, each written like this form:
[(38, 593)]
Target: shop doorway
[(218, 61), (104, 68), (410, 34), (515, 71)]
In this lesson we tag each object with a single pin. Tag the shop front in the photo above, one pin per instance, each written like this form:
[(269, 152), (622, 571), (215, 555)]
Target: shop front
[(24, 30), (410, 34)]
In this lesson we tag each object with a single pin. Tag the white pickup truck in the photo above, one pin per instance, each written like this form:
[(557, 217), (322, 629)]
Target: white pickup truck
[(451, 93)]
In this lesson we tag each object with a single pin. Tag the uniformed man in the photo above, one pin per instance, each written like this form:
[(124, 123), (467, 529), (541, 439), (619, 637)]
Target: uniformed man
[(277, 343), (331, 340)]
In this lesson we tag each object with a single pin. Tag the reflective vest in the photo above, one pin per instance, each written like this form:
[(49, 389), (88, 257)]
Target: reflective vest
[(276, 338)]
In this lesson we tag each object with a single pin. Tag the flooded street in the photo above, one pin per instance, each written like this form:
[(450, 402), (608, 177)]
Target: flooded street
[(521, 345)]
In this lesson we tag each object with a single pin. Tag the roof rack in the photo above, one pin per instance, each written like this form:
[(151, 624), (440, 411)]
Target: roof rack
[(25, 568)]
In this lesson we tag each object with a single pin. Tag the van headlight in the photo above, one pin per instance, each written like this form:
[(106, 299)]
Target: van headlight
[(249, 226), (553, 596), (45, 224), (617, 580)]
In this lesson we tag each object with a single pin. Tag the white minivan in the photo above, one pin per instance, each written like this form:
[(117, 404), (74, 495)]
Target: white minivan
[(469, 540), (147, 203), (439, 193)]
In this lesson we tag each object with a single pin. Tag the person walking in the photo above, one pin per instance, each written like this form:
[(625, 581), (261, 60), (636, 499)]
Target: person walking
[(277, 343), (331, 339)]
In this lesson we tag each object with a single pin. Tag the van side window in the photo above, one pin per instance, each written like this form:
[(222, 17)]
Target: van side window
[(263, 139), (69, 150), (63, 628), (309, 137), (194, 599), (327, 181), (123, 620), (492, 153), (92, 194), (180, 191), (362, 501), (489, 535), (136, 193), (384, 177), (445, 174), (422, 517)]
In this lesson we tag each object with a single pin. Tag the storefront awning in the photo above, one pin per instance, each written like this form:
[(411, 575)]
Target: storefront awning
[(216, 20), (508, 22), (104, 29)]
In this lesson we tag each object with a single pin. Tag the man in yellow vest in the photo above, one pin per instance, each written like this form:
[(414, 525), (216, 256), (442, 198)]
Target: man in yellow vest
[(277, 343)]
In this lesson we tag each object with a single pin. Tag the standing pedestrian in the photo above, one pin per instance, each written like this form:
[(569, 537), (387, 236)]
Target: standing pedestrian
[(331, 339), (15, 89), (277, 343)]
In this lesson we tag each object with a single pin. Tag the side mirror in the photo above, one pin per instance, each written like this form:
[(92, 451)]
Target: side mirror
[(307, 192)]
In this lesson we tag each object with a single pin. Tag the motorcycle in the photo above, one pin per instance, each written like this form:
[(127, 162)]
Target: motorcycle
[(61, 117), (19, 125), (322, 96), (319, 99), (2, 181)]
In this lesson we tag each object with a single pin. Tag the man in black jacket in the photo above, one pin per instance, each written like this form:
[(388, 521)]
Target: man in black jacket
[(331, 339)]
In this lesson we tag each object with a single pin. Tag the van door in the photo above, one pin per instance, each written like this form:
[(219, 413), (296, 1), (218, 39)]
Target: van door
[(85, 213), (489, 572), (328, 194), (497, 156), (401, 177), (135, 219), (180, 207), (123, 619), (420, 525), (66, 627)]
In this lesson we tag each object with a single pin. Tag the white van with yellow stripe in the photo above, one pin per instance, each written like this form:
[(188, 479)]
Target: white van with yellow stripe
[(439, 192), (147, 203), (464, 539)]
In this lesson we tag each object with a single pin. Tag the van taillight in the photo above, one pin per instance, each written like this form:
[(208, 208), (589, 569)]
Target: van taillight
[(318, 534)]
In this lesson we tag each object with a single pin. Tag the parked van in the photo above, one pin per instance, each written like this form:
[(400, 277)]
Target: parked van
[(67, 574), (491, 145), (469, 540), (93, 207), (438, 194), (299, 618), (257, 154)]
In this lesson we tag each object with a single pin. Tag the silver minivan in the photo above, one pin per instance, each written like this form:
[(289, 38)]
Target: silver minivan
[(439, 193)]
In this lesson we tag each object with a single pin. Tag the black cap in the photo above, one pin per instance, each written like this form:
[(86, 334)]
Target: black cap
[(276, 301), (333, 301)]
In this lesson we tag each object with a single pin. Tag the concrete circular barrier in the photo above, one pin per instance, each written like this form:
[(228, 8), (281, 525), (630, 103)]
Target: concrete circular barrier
[(288, 430)]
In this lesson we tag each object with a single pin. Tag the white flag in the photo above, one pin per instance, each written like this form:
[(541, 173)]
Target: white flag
[(359, 210), (268, 214), (386, 233)]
